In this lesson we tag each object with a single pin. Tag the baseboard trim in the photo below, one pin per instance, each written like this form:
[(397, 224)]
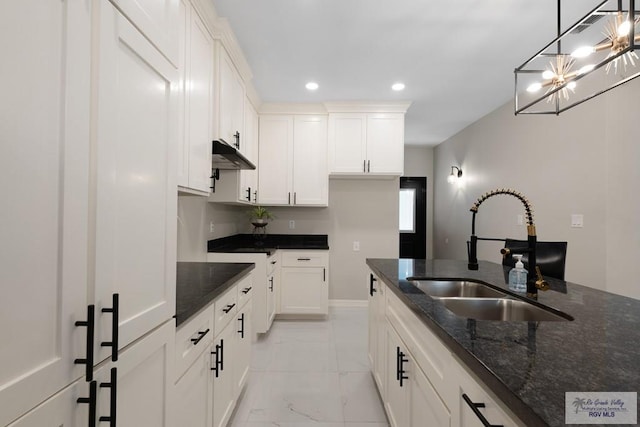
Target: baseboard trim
[(348, 303)]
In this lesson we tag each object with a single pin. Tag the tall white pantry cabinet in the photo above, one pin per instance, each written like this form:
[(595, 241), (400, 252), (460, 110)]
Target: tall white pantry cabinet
[(89, 208)]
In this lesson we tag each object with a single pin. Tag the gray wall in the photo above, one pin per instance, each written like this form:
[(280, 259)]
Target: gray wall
[(585, 161), (359, 210), (418, 161)]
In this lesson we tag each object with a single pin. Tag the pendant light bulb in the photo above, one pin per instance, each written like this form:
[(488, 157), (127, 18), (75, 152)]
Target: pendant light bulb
[(583, 52), (534, 87), (624, 28), (548, 74)]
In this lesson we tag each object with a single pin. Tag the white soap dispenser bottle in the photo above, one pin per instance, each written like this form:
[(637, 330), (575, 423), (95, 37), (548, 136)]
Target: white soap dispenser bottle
[(518, 276)]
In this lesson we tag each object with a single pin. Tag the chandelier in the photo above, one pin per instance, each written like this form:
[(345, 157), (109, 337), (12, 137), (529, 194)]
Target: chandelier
[(593, 56)]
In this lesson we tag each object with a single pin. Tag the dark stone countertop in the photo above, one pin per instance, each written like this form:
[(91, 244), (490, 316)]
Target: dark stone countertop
[(530, 365), (248, 243), (199, 283)]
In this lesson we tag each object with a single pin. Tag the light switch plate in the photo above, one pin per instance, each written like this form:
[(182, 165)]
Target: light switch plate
[(356, 246)]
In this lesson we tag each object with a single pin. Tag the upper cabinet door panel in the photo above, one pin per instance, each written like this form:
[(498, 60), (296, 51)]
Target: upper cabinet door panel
[(44, 176), (276, 151), (231, 102), (158, 20), (347, 142), (385, 142), (310, 175), (135, 184)]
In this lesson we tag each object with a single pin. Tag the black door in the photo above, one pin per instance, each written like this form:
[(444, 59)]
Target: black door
[(413, 217)]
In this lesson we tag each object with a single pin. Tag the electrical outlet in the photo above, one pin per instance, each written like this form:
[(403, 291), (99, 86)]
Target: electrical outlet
[(520, 220), (212, 227), (577, 220), (356, 246), (292, 224)]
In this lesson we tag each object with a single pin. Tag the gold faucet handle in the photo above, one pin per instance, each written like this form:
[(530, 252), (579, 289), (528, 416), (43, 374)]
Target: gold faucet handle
[(540, 282)]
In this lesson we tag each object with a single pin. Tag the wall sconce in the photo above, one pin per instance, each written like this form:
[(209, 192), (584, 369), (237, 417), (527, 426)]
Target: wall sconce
[(454, 176), (593, 56)]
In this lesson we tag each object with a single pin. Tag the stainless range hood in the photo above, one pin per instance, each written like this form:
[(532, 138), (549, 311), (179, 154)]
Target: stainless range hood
[(225, 156)]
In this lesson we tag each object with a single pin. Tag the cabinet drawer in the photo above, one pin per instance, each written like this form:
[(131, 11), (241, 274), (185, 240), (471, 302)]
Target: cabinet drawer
[(192, 338), (245, 290), (225, 308), (305, 259)]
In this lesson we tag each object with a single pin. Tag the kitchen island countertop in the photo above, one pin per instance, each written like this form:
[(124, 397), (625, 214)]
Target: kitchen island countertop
[(530, 365)]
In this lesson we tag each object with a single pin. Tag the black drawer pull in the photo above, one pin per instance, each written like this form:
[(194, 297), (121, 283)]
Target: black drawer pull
[(271, 284), (91, 400), (246, 290), (273, 262), (400, 360), (241, 331), (474, 407), (113, 386), (304, 259), (201, 335), (88, 361), (229, 307), (217, 361), (371, 288), (115, 311)]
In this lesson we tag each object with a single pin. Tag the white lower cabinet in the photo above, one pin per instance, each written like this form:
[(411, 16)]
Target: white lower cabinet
[(304, 283), (424, 384), (217, 341)]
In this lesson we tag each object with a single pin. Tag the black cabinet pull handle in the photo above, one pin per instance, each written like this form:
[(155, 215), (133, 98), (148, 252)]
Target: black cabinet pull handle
[(248, 194), (371, 280), (273, 262), (201, 335), (88, 361), (246, 290), (271, 286), (222, 355), (255, 196), (295, 197), (237, 137), (304, 259), (289, 199), (241, 331), (115, 311), (397, 363), (91, 400), (400, 359), (474, 407), (113, 392), (364, 166), (229, 307), (324, 274), (217, 362), (368, 165)]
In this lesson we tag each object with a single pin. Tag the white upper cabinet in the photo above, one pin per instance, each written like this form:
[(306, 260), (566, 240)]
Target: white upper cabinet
[(231, 98), (366, 140), (249, 178), (196, 103), (293, 165), (157, 20), (134, 197), (44, 179)]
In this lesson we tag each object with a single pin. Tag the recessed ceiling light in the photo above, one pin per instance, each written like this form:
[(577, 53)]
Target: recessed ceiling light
[(311, 85), (398, 86)]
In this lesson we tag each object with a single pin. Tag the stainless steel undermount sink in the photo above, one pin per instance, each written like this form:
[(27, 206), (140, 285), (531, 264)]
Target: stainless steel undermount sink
[(456, 288), (475, 300), (505, 309)]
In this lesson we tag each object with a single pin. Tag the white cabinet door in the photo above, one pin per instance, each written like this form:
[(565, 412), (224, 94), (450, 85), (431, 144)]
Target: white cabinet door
[(158, 20), (397, 393), (199, 93), (44, 177), (425, 402), (385, 144), (304, 290), (61, 410), (193, 405), (231, 102), (242, 356), (272, 287), (144, 382), (195, 101), (248, 190), (347, 143), (377, 325), (224, 383), (310, 174), (134, 197), (276, 154)]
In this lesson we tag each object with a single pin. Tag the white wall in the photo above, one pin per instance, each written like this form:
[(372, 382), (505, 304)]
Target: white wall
[(585, 161), (418, 162), (359, 210)]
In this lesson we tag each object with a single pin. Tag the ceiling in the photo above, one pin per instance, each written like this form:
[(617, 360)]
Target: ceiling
[(456, 57)]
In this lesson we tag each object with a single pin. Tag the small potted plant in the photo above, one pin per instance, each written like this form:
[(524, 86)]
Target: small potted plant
[(260, 216)]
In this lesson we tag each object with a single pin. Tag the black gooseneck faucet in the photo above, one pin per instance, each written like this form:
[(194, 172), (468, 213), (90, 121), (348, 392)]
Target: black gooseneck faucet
[(535, 280)]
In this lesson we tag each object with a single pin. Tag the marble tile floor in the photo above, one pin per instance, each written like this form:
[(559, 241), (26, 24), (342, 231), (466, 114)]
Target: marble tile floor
[(312, 373)]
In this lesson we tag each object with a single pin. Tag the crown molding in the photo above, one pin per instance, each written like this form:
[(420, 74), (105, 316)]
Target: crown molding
[(292, 108), (367, 107)]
